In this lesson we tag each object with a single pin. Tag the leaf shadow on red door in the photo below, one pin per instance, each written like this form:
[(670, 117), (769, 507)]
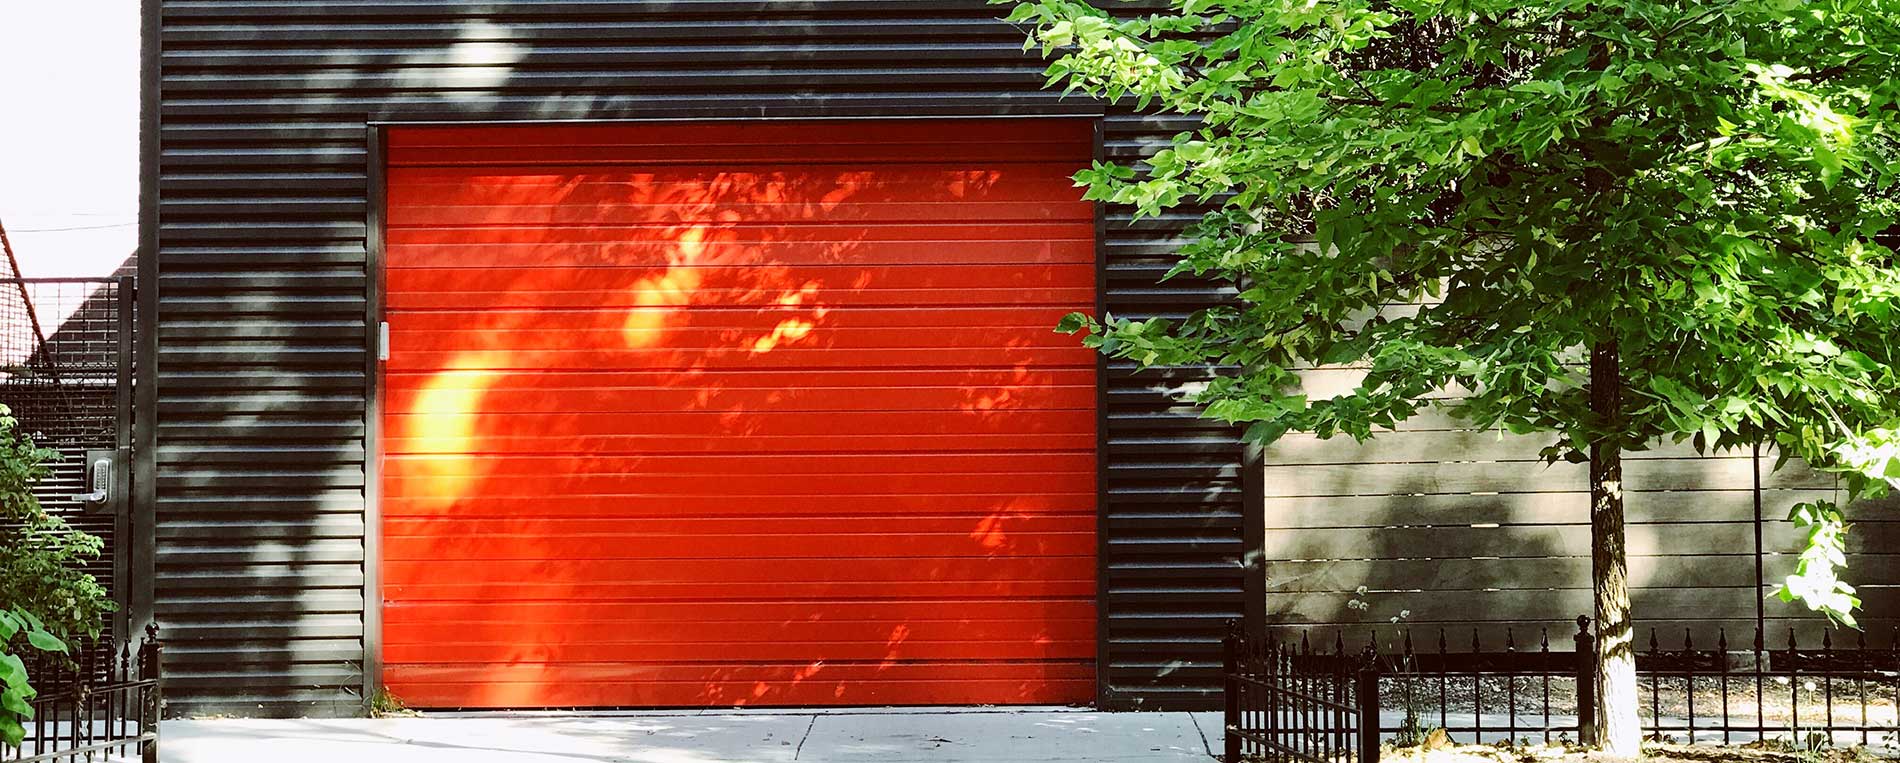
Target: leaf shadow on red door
[(704, 431)]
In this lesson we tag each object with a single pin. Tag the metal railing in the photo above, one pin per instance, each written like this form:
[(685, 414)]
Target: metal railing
[(1292, 701), (1287, 702), (102, 703)]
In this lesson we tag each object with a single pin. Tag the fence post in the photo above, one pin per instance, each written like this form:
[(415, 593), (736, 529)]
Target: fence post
[(1586, 683), (1366, 694), (150, 653), (1230, 691)]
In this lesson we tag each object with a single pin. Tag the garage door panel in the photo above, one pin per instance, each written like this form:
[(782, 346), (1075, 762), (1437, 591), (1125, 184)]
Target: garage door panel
[(755, 443), (691, 217), (660, 400), (444, 429), (766, 647), (705, 415), (939, 245), (556, 616), (819, 243), (473, 581), (975, 464), (760, 506), (739, 487), (717, 686), (871, 644), (871, 524), (767, 295), (741, 319), (686, 546), (692, 279), (420, 193), (793, 332)]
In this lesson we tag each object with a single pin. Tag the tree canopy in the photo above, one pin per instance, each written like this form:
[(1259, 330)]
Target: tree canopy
[(1473, 194)]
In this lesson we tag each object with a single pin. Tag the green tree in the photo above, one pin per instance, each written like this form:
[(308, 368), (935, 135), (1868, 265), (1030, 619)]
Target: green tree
[(46, 597), (1615, 222)]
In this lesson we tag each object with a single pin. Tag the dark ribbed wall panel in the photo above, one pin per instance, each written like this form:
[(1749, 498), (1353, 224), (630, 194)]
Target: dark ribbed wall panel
[(263, 181)]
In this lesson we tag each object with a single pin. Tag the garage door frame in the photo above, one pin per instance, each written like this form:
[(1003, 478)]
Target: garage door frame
[(374, 317)]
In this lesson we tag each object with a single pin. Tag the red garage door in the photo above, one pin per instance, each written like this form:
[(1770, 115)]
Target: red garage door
[(722, 414)]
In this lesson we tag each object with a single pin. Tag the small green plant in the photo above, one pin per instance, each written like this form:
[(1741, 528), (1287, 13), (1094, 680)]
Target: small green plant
[(14, 689), (385, 704), (1813, 747), (46, 597)]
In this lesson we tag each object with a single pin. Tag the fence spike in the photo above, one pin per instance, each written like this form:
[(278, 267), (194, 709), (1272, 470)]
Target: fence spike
[(1860, 640), (1721, 640), (1791, 644), (1475, 646), (1827, 640), (1339, 642), (1543, 639), (1306, 645), (1688, 640), (1653, 647), (1510, 640), (1441, 641)]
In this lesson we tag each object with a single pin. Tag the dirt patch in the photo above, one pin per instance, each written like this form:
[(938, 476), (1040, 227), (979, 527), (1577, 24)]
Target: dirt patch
[(1764, 752), (1773, 701)]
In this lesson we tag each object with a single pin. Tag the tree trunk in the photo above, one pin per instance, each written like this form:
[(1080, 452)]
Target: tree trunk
[(1618, 729)]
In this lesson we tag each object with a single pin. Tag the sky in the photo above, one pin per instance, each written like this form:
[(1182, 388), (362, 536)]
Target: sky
[(69, 109)]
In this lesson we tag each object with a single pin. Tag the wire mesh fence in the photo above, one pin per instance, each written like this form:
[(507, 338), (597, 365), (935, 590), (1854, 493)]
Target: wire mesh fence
[(66, 374)]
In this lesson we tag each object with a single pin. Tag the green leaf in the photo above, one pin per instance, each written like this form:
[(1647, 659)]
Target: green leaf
[(12, 702), (1857, 360), (12, 671), (45, 641), (1074, 322)]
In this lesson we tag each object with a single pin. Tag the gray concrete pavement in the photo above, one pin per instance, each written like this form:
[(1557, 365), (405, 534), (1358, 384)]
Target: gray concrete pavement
[(936, 735)]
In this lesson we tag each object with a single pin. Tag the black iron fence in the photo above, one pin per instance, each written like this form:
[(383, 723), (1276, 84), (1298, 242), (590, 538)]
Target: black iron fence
[(1288, 702), (1300, 701), (102, 703)]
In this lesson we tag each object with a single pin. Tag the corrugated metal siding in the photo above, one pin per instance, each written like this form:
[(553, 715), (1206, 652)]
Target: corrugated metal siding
[(262, 283), (715, 413)]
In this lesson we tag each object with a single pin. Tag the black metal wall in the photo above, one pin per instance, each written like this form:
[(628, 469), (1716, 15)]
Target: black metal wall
[(258, 202)]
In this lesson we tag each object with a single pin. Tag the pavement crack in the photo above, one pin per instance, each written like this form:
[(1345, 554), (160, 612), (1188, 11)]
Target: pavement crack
[(1206, 746), (801, 740)]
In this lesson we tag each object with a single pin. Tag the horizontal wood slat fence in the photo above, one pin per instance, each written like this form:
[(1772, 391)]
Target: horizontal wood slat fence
[(1438, 525), (1329, 699)]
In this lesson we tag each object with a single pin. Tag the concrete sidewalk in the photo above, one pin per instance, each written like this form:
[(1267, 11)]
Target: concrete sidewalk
[(976, 735)]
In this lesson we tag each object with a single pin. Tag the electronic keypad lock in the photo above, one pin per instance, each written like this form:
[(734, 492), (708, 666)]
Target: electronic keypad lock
[(101, 465)]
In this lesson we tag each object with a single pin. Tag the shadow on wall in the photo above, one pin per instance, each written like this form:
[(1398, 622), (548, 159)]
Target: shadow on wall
[(1467, 531)]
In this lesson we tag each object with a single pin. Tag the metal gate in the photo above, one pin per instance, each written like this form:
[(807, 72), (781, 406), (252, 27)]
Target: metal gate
[(66, 373)]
